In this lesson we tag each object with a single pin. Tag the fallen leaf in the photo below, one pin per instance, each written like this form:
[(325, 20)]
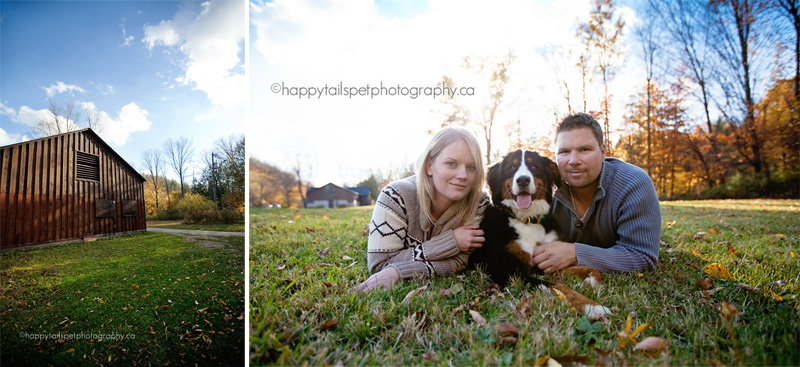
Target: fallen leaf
[(747, 287), (281, 266), (713, 230), (652, 344), (296, 217), (728, 311), (71, 350), (717, 270), (706, 284), (626, 335), (506, 328), (329, 324), (792, 254), (781, 236), (700, 235), (541, 361), (414, 293), (324, 252), (347, 258), (671, 224), (445, 292), (508, 340), (572, 359), (477, 317), (730, 249), (553, 363)]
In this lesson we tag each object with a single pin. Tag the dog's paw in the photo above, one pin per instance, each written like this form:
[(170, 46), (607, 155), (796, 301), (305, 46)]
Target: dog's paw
[(596, 312)]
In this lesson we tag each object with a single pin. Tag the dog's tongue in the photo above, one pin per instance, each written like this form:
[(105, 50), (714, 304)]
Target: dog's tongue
[(523, 201)]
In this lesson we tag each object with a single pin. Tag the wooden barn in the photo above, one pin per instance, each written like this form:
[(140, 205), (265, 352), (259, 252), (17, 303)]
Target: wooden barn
[(71, 186)]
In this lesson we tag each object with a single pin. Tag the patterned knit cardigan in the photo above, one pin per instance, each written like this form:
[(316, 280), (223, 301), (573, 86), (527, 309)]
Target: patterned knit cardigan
[(400, 236)]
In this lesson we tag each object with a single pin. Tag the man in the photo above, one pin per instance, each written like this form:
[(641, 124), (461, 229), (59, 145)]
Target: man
[(608, 209)]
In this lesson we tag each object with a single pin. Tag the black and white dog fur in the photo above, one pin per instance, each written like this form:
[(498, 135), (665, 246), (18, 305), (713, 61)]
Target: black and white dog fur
[(521, 186)]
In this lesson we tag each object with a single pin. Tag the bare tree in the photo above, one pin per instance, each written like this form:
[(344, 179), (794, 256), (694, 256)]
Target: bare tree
[(648, 37), (688, 24), (495, 69), (179, 153), (61, 118), (154, 162), (603, 32), (65, 117), (93, 118), (738, 45)]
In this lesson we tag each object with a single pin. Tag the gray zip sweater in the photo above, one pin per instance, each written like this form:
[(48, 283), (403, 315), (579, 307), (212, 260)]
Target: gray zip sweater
[(621, 230), (400, 236)]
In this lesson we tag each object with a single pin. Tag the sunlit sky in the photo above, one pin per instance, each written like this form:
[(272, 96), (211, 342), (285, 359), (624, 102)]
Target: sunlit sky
[(341, 139), (153, 70), (162, 69)]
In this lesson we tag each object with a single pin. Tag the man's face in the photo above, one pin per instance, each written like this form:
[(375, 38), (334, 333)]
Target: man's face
[(579, 157)]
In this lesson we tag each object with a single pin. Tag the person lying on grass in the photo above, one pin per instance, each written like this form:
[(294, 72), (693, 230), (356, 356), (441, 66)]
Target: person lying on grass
[(607, 209), (428, 223)]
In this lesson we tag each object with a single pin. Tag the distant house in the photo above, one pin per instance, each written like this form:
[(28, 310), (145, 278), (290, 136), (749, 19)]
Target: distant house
[(65, 187), (364, 194), (333, 196)]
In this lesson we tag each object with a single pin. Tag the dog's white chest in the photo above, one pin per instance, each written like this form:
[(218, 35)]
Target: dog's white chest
[(530, 234)]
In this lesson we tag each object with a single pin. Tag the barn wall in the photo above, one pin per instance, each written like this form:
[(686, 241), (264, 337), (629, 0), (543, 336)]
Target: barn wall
[(41, 199)]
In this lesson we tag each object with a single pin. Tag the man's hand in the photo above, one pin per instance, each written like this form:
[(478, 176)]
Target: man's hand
[(468, 238), (554, 256)]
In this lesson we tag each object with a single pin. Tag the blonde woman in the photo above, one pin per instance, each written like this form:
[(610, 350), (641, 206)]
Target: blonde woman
[(428, 223)]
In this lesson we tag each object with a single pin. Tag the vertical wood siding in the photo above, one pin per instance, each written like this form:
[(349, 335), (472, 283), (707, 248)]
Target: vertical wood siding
[(42, 200)]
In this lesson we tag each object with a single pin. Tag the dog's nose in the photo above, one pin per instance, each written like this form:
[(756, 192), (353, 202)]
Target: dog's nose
[(523, 181)]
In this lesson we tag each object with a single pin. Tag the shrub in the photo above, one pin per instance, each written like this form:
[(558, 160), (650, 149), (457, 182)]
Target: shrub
[(197, 209), (231, 215)]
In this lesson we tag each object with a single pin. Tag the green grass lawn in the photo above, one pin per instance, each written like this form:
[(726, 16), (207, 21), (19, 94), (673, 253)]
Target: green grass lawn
[(144, 299), (301, 312), (177, 224)]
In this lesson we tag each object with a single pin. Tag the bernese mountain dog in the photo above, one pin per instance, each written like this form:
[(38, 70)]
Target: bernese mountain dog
[(521, 187)]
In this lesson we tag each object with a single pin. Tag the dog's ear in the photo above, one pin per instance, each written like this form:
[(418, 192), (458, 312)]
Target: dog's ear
[(495, 179), (554, 175)]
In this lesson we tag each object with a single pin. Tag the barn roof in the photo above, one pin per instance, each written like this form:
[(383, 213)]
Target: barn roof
[(361, 190), (100, 140)]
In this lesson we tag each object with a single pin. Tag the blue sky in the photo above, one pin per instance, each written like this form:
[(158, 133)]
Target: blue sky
[(153, 70)]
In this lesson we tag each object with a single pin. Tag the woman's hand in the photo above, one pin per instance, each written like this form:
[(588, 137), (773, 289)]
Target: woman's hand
[(468, 238), (385, 278)]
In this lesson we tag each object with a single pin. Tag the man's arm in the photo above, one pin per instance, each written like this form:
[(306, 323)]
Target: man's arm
[(639, 231)]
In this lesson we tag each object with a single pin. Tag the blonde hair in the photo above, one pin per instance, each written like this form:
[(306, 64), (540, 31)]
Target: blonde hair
[(468, 206)]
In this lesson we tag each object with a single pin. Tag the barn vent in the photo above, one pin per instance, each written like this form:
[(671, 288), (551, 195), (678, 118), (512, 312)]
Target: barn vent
[(87, 166)]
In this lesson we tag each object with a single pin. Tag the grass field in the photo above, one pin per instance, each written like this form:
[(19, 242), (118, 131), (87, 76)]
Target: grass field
[(144, 299), (177, 224), (302, 263)]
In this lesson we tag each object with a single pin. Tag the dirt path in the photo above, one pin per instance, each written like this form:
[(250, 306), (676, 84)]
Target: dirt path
[(200, 237)]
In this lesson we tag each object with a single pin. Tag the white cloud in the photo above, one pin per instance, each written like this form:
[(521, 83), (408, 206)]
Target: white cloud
[(105, 89), (211, 42), (127, 40), (7, 138), (61, 87), (30, 117), (8, 111), (131, 118)]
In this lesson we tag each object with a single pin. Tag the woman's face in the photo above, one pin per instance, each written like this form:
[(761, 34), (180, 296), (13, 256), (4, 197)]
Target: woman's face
[(453, 172)]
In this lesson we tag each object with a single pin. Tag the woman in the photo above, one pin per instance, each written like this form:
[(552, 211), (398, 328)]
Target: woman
[(427, 224)]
